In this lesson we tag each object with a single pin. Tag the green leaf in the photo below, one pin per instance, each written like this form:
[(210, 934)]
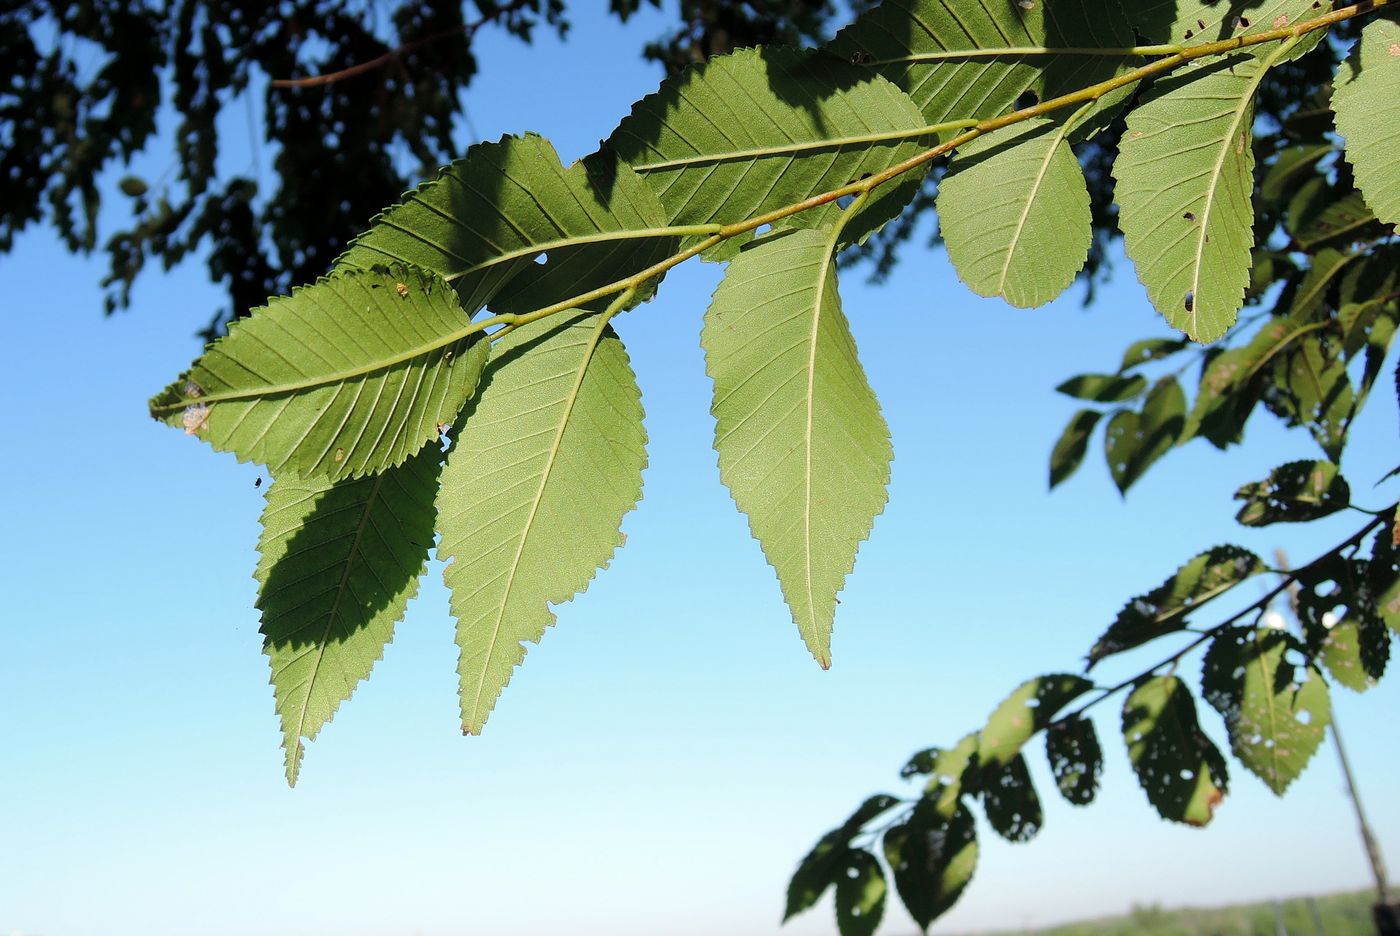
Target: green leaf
[(951, 772), (933, 858), (1134, 441), (802, 445), (1276, 718), (1288, 166), (486, 220), (337, 565), (1072, 444), (1150, 349), (1164, 609), (1344, 220), (1311, 295), (860, 895), (822, 865), (1103, 388), (1366, 101), (1229, 390), (959, 62), (1013, 210), (1292, 493), (1341, 653), (339, 380), (133, 186), (1076, 760), (1182, 772), (1012, 805), (1195, 22), (1314, 390), (757, 130), (1184, 183), (1025, 713), (548, 461)]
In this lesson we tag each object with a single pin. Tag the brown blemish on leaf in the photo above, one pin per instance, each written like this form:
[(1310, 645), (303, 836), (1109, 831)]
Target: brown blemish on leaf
[(402, 289), (1280, 21), (1395, 537), (1394, 49), (340, 454)]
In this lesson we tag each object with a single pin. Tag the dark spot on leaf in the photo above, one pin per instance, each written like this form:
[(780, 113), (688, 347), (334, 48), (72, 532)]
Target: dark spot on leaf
[(1190, 301)]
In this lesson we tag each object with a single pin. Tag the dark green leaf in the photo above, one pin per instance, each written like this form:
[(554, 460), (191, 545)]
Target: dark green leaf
[(823, 864), (1340, 221), (1291, 164), (1164, 609), (133, 186), (860, 894), (1072, 444), (1150, 349), (951, 772), (1012, 805), (1314, 390), (1275, 709), (1076, 760), (1022, 715), (1182, 772), (1134, 441), (1292, 493), (1103, 388), (933, 858)]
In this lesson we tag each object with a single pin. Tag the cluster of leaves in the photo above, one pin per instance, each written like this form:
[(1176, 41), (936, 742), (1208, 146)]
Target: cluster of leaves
[(1323, 273), (355, 98), (474, 318)]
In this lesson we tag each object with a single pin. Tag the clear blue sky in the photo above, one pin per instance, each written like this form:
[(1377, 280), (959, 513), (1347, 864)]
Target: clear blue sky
[(669, 751)]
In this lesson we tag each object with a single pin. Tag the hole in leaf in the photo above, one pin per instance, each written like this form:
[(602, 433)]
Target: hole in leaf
[(542, 259)]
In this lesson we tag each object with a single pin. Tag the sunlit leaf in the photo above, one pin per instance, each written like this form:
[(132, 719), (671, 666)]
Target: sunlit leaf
[(1025, 713), (1292, 493), (1367, 104), (341, 379), (1014, 213), (1182, 772), (337, 564), (1164, 609), (548, 461), (951, 772), (1275, 708), (802, 445)]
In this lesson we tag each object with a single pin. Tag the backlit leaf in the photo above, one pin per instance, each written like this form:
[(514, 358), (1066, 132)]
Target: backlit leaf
[(1014, 213), (1195, 22), (951, 772), (1025, 713), (1134, 441), (1103, 388), (933, 858), (1012, 804), (1072, 444), (548, 461), (802, 445), (1292, 493), (1164, 609), (821, 866), (1182, 772), (1184, 183), (338, 380), (487, 219), (1366, 100), (860, 894), (1076, 760), (1275, 710), (337, 565)]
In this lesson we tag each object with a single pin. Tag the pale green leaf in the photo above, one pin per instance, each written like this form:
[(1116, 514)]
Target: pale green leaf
[(860, 894), (802, 445), (1164, 609), (337, 565), (485, 223), (1182, 772), (1014, 213), (1184, 183), (1276, 712), (933, 858), (1293, 493), (1341, 653), (1366, 101), (548, 461), (820, 867), (1076, 759), (1024, 713), (760, 129), (961, 61), (338, 380)]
